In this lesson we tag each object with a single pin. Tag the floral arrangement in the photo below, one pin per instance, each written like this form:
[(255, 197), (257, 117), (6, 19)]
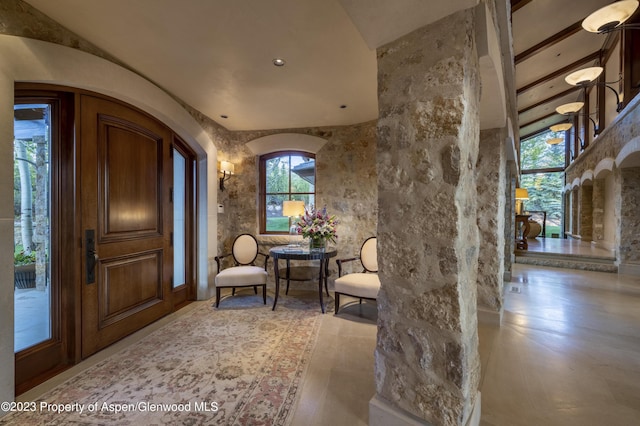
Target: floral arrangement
[(317, 225)]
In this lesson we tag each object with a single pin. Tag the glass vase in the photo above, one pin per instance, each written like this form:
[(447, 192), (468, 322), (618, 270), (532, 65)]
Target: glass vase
[(317, 244)]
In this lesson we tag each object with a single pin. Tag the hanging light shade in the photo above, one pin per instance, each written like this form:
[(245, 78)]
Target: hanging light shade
[(554, 141), (560, 127), (610, 17), (584, 76), (570, 108)]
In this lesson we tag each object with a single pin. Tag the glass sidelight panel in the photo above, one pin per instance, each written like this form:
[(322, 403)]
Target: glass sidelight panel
[(32, 241), (179, 219)]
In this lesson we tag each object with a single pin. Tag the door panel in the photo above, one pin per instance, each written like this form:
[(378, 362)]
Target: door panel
[(126, 178), (130, 284), (131, 195)]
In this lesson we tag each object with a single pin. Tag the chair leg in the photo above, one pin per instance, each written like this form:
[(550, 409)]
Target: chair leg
[(255, 289), (361, 301), (287, 292), (337, 302), (217, 296), (233, 291), (264, 293)]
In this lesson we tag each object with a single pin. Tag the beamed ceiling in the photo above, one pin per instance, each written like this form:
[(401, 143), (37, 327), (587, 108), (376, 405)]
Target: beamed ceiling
[(549, 43)]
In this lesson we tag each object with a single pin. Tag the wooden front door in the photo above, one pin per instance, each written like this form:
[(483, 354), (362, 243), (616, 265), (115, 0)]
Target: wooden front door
[(125, 174)]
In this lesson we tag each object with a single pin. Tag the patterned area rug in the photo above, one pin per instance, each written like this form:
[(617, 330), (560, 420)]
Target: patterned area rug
[(241, 364)]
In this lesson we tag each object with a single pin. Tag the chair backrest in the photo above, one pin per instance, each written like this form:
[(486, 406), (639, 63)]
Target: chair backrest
[(245, 249), (369, 254)]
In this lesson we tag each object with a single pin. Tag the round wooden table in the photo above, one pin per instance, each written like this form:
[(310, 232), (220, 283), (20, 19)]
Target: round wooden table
[(289, 253)]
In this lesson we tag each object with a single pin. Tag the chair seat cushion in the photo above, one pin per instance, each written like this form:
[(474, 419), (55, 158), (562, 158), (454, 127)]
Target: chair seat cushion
[(241, 276), (358, 284)]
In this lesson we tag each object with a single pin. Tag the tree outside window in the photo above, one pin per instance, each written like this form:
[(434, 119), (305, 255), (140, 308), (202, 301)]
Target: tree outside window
[(542, 167), (284, 176)]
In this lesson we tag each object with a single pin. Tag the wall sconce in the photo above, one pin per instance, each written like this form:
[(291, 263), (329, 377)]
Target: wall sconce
[(292, 208), (572, 108), (586, 77), (521, 194), (611, 17), (227, 169)]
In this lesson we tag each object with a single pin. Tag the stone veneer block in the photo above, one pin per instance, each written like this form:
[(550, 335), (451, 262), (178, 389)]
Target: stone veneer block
[(491, 184), (427, 360)]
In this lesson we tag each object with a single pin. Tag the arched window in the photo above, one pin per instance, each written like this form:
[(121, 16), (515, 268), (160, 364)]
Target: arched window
[(284, 175)]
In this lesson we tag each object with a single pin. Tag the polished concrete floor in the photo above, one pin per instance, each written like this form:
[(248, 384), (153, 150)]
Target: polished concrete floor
[(568, 246), (567, 353)]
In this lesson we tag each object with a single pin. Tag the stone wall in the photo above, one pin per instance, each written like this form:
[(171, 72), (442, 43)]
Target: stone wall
[(491, 172), (629, 219), (585, 212), (609, 143), (598, 209), (426, 359), (346, 183)]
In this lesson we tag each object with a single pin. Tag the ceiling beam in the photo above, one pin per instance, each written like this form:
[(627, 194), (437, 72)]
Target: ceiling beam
[(518, 4), (570, 90), (522, 126), (561, 71), (544, 44)]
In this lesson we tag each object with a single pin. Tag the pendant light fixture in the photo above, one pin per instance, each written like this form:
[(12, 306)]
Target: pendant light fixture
[(611, 17), (561, 127)]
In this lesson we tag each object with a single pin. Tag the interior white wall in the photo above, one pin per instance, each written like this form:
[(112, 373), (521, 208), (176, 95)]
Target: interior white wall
[(608, 240), (37, 61)]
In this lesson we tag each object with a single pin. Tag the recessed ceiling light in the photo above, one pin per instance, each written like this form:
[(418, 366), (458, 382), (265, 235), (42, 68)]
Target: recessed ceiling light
[(224, 116), (278, 62)]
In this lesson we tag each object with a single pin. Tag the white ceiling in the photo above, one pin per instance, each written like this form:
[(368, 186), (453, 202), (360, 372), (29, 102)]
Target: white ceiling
[(216, 55)]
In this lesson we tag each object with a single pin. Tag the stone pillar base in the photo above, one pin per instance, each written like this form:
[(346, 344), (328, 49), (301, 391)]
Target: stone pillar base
[(381, 413), (506, 277), (489, 317)]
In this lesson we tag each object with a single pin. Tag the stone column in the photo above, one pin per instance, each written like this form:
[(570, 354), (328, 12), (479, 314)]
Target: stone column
[(585, 214), (510, 221), (574, 212), (629, 249), (598, 209), (427, 366), (491, 187)]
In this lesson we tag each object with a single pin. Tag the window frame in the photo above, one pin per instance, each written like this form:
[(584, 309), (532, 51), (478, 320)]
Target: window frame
[(263, 186)]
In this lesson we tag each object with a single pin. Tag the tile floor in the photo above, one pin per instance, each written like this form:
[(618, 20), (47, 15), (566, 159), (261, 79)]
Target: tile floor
[(568, 353)]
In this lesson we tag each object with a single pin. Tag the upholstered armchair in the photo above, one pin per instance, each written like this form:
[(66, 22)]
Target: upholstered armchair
[(244, 272), (365, 284)]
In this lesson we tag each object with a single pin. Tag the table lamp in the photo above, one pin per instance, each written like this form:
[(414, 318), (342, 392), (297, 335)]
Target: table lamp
[(292, 209)]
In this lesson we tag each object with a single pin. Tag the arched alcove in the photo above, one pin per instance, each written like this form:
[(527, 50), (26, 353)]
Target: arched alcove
[(286, 142)]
